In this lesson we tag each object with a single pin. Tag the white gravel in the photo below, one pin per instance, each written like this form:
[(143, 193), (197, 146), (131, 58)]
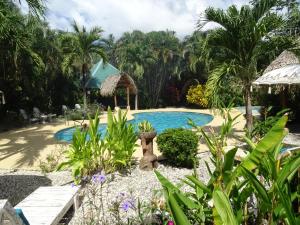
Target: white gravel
[(15, 185), (141, 184)]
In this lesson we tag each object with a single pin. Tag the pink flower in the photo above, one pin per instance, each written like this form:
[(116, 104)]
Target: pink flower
[(170, 222)]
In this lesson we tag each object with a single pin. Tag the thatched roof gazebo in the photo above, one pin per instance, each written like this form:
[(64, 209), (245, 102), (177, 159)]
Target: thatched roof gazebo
[(284, 59), (114, 82), (284, 70), (281, 73), (108, 79)]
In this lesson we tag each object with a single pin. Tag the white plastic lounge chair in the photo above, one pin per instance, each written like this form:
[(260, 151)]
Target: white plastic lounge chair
[(45, 206), (43, 117), (77, 107), (26, 118)]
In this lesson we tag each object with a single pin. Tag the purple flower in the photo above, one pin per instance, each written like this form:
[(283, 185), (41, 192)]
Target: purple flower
[(126, 205), (73, 185), (99, 178), (170, 222)]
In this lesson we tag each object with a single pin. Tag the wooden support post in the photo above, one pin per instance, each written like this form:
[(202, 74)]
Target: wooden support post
[(115, 97), (128, 98), (136, 101)]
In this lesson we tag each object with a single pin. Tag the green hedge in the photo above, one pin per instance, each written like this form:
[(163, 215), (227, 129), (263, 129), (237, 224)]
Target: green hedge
[(179, 146)]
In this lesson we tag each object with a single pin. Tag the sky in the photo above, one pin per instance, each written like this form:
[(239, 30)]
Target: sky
[(118, 16)]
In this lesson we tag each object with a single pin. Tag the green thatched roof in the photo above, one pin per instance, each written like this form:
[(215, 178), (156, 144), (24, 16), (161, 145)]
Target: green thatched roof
[(99, 72)]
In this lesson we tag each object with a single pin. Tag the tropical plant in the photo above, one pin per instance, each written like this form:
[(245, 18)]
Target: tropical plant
[(145, 126), (228, 197), (196, 95), (120, 140), (80, 49), (179, 146), (263, 125), (87, 153), (239, 39)]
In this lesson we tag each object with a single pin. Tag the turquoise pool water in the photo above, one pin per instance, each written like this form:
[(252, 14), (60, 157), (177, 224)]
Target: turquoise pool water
[(159, 120)]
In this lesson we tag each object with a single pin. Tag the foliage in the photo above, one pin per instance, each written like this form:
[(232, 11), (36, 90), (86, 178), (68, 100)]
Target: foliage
[(228, 197), (52, 161), (120, 139), (79, 50), (196, 95), (87, 152), (151, 58), (145, 126), (179, 146), (75, 115), (239, 39), (261, 127)]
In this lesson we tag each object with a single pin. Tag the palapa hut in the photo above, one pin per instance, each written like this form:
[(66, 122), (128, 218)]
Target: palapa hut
[(281, 73), (108, 79), (284, 70)]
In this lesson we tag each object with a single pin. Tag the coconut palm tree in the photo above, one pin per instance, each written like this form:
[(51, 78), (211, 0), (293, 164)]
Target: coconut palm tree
[(239, 38), (80, 48)]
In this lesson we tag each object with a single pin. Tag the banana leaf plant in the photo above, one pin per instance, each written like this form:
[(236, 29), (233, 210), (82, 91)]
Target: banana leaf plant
[(255, 191)]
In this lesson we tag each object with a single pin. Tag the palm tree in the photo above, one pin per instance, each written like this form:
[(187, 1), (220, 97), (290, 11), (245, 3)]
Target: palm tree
[(80, 48), (239, 41)]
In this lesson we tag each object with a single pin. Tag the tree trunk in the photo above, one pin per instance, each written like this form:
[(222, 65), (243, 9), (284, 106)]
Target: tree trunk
[(84, 99), (249, 118)]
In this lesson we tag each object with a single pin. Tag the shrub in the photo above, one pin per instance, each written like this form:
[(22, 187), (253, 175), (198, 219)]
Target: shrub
[(179, 146), (196, 95)]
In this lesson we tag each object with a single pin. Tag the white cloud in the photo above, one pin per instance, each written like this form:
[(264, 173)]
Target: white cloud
[(118, 16)]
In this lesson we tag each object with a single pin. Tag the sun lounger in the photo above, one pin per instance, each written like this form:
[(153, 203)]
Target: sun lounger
[(45, 206), (43, 117), (26, 118)]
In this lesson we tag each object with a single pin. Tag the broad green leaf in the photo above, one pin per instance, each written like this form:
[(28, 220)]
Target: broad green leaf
[(287, 205), (260, 189), (200, 184), (289, 168), (172, 189), (250, 143), (178, 215), (223, 207), (271, 139), (229, 159)]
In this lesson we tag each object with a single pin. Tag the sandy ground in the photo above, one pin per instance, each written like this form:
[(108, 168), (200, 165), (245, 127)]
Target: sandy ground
[(25, 148)]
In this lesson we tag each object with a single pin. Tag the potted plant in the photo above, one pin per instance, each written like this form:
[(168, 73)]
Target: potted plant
[(147, 133)]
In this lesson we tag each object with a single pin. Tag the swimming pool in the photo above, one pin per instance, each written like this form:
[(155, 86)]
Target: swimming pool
[(159, 120)]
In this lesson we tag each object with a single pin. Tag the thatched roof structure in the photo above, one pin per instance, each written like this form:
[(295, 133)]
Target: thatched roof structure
[(286, 75), (284, 70), (111, 83), (284, 59)]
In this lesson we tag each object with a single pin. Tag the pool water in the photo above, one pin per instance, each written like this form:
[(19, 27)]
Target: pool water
[(159, 120)]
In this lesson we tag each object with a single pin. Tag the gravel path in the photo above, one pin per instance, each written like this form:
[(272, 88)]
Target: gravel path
[(15, 185), (141, 185)]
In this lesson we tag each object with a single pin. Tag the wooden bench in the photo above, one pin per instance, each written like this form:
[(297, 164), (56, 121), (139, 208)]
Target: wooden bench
[(45, 206)]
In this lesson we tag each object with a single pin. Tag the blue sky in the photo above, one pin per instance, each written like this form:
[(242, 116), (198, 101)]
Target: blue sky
[(118, 16)]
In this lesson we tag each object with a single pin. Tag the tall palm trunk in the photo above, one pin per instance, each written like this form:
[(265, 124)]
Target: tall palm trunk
[(248, 105), (84, 80)]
